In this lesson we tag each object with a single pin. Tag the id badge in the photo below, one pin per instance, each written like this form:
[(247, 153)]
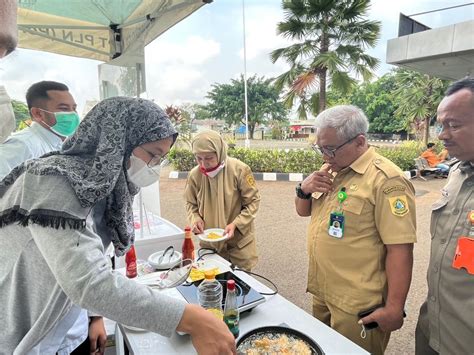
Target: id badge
[(464, 255), (336, 225)]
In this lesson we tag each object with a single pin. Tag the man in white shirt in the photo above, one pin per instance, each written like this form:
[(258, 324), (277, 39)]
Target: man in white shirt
[(45, 99)]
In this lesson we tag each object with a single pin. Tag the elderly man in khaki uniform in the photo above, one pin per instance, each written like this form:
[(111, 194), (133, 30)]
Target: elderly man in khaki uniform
[(361, 234), (446, 322), (221, 193)]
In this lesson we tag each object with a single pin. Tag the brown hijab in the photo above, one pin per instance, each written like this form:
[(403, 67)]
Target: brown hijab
[(213, 191)]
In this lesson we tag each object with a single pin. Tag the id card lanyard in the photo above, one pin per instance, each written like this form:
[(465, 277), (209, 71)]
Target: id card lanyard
[(336, 218)]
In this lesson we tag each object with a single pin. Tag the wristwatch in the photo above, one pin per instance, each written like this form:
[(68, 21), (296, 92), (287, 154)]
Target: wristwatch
[(300, 194)]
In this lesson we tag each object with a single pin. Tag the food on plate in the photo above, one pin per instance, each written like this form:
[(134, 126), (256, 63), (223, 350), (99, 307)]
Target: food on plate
[(269, 343), (213, 235), (198, 274)]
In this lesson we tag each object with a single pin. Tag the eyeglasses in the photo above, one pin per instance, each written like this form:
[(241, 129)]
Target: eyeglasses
[(156, 160), (331, 152)]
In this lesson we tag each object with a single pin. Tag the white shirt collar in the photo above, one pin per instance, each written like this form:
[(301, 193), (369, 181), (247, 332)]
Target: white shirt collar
[(46, 135)]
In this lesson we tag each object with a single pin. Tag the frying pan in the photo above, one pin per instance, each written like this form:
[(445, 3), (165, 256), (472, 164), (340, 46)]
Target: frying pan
[(273, 330)]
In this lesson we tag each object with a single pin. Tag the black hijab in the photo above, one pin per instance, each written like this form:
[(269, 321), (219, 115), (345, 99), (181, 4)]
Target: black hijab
[(93, 162)]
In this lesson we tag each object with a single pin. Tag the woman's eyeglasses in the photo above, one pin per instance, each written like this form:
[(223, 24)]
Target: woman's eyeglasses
[(156, 160)]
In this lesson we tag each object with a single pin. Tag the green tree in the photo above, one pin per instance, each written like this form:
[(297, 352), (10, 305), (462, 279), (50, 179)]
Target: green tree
[(418, 96), (21, 112), (378, 102), (330, 36), (128, 81), (182, 121), (227, 102)]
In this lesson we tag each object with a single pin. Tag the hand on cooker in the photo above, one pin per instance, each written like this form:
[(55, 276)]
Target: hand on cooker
[(198, 227), (209, 335), (229, 230), (318, 181)]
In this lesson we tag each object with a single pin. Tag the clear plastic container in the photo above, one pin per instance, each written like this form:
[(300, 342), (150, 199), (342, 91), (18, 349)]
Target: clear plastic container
[(231, 311), (210, 294)]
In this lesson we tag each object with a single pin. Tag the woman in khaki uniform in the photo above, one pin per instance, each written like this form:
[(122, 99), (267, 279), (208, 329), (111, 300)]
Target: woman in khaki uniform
[(221, 193)]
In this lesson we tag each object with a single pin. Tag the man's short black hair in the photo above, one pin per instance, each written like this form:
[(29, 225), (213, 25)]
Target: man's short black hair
[(430, 145), (466, 83), (39, 91)]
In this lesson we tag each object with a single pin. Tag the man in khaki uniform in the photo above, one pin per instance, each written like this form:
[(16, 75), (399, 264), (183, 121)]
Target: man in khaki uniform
[(221, 193), (446, 322), (364, 260)]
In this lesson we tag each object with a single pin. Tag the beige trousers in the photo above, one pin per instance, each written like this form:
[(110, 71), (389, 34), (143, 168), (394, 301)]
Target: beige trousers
[(344, 323)]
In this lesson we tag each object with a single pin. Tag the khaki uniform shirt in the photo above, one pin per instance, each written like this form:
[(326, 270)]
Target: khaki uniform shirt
[(447, 316), (380, 209), (230, 197)]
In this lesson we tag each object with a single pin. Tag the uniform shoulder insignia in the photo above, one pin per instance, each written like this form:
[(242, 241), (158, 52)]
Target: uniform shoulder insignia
[(250, 180), (389, 169), (399, 205), (391, 189)]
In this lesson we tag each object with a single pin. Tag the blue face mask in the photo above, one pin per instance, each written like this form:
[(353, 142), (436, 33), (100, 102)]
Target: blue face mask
[(66, 123)]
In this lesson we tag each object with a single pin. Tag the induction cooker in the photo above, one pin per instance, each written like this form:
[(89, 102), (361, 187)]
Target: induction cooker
[(247, 297)]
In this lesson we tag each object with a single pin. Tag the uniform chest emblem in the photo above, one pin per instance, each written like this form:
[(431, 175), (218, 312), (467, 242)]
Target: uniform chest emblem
[(399, 205)]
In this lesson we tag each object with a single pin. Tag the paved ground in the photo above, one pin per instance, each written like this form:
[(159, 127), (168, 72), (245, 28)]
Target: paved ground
[(282, 244)]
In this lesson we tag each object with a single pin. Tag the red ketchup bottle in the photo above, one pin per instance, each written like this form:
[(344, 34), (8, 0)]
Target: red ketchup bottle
[(188, 245), (131, 261)]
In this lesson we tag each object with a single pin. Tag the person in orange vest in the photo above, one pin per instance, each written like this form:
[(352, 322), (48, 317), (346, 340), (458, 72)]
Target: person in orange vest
[(435, 160)]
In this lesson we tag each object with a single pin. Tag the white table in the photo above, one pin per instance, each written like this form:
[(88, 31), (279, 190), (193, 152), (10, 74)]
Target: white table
[(274, 311)]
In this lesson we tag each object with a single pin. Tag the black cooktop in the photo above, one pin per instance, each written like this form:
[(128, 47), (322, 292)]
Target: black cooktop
[(247, 297)]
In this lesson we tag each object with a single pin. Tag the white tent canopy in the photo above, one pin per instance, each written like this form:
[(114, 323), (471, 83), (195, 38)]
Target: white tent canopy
[(104, 30), (113, 31)]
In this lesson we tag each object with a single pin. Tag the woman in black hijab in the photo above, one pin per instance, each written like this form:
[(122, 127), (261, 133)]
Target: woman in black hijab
[(53, 261)]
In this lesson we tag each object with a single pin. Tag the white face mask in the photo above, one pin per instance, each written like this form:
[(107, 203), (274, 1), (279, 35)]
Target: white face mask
[(140, 174), (213, 173)]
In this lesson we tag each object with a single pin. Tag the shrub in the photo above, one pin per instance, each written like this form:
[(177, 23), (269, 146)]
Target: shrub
[(404, 154), (181, 159), (262, 160), (296, 160)]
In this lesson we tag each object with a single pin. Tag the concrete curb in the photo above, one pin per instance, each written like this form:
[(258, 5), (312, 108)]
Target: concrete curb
[(296, 177), (258, 176), (396, 141)]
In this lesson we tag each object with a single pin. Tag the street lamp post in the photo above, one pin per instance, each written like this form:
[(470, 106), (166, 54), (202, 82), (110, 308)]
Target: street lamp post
[(247, 141)]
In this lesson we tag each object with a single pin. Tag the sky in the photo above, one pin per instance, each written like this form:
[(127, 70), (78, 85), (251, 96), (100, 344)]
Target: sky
[(207, 48)]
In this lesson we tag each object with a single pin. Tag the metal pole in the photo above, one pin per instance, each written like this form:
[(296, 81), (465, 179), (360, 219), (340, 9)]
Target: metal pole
[(247, 141), (140, 198)]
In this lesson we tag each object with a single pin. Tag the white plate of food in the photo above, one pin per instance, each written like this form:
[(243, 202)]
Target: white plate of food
[(212, 235)]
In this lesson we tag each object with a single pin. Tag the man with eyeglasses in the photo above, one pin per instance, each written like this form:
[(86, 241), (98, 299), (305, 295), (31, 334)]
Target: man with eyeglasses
[(446, 321), (361, 234)]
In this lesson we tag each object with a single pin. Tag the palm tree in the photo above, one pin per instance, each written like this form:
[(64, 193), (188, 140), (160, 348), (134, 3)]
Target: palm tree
[(330, 36), (418, 96)]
